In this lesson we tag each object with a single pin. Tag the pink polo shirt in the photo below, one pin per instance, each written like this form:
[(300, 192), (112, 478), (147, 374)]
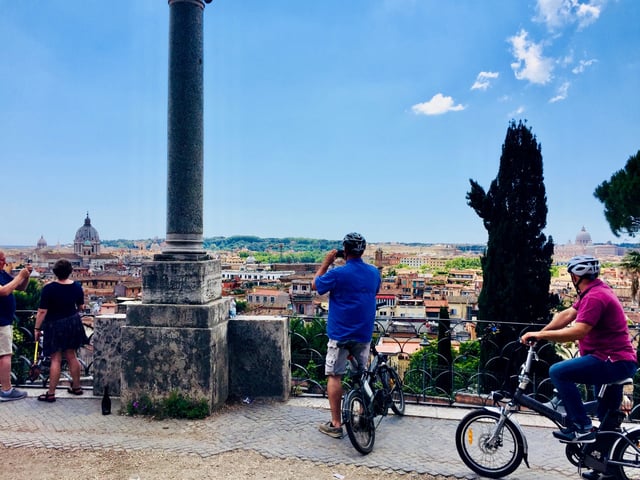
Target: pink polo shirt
[(609, 337)]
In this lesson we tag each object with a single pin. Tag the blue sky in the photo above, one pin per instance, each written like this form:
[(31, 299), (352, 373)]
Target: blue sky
[(321, 117)]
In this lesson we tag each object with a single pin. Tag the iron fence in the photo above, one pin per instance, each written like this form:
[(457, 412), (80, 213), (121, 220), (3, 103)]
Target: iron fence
[(25, 355), (474, 367), (441, 362)]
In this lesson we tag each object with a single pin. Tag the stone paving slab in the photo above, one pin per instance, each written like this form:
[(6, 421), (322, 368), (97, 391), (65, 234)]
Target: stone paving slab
[(422, 441)]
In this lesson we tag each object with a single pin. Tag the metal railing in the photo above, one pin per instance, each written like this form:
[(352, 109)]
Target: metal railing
[(452, 369), (466, 376), (23, 358)]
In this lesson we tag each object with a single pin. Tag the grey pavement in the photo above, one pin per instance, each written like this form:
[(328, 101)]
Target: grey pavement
[(422, 441)]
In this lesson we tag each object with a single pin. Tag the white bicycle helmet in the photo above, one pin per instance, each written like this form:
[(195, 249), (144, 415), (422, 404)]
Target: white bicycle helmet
[(584, 265), (354, 243)]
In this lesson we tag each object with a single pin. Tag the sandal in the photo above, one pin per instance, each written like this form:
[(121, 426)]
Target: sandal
[(75, 391), (47, 397)]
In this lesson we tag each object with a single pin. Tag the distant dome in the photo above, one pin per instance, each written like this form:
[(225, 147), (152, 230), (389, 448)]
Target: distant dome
[(87, 233), (583, 237), (87, 241), (42, 243)]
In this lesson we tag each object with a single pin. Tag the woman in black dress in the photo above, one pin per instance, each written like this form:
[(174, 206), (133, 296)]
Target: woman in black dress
[(58, 319)]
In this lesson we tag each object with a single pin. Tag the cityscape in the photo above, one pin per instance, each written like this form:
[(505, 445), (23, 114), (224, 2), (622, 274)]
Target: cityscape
[(419, 279), (181, 327)]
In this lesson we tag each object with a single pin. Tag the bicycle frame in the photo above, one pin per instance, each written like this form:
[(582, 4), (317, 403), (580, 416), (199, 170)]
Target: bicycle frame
[(365, 377), (374, 392), (614, 446)]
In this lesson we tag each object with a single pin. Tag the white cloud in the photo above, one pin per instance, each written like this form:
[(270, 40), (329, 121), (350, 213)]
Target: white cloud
[(566, 60), (582, 66), (517, 112), (562, 93), (588, 13), (438, 105), (483, 80), (556, 14), (530, 64)]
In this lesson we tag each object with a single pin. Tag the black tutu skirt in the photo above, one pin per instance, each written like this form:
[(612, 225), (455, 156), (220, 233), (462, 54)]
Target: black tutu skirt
[(63, 334)]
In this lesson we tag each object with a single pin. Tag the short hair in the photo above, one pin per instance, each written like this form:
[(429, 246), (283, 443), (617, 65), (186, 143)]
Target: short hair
[(62, 269)]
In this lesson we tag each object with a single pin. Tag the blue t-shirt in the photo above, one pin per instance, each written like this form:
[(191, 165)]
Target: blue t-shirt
[(352, 300), (8, 303)]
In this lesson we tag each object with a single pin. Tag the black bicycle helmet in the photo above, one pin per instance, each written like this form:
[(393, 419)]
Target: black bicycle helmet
[(582, 265), (354, 243)]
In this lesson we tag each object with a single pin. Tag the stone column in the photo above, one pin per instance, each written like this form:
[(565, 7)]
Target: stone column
[(185, 128), (176, 339)]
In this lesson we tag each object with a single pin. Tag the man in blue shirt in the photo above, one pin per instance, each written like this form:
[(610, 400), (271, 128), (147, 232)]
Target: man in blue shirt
[(352, 292), (7, 310)]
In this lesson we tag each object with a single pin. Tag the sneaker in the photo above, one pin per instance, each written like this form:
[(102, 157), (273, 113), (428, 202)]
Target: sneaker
[(593, 475), (13, 394), (587, 435), (329, 429)]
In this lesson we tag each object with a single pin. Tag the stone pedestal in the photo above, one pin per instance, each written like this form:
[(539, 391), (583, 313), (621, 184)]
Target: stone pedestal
[(107, 353), (176, 339), (260, 357)]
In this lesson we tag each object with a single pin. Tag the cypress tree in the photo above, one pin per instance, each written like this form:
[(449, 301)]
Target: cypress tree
[(445, 358), (516, 263)]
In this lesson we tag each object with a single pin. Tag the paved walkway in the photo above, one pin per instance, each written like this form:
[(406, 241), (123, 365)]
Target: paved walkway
[(422, 441)]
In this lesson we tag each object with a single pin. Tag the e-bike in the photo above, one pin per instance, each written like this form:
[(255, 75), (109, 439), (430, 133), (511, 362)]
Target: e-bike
[(491, 442), (375, 390)]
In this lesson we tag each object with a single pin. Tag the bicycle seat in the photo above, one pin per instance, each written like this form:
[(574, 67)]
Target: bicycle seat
[(624, 381)]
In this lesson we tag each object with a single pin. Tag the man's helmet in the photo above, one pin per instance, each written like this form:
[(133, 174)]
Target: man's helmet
[(354, 243), (584, 265)]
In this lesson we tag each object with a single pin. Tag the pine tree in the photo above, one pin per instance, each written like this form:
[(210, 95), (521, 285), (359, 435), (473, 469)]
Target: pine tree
[(516, 264), (621, 198)]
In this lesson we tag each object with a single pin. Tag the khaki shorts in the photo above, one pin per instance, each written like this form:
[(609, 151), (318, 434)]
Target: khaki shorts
[(336, 359), (6, 340)]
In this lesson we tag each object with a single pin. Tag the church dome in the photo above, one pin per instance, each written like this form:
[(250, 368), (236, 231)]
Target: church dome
[(87, 233), (583, 237), (87, 241), (42, 243)]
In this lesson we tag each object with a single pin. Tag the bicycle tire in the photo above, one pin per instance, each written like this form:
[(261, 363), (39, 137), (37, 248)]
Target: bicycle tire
[(394, 386), (497, 461), (358, 422), (628, 452)]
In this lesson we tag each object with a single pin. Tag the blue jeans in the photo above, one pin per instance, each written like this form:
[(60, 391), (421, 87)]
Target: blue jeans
[(588, 370)]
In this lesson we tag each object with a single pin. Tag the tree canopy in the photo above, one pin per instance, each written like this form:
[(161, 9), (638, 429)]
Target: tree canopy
[(621, 198), (516, 264)]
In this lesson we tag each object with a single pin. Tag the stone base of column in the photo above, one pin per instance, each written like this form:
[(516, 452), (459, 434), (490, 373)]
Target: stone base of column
[(176, 348), (181, 280)]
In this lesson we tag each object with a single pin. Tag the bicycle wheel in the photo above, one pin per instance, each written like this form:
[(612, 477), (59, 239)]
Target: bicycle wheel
[(491, 458), (358, 422), (628, 453), (394, 386)]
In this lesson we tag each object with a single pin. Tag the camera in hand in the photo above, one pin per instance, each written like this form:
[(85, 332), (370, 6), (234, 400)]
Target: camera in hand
[(340, 254)]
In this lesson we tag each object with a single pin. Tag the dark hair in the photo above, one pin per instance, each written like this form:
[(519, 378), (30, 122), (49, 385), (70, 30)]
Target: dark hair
[(62, 269)]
